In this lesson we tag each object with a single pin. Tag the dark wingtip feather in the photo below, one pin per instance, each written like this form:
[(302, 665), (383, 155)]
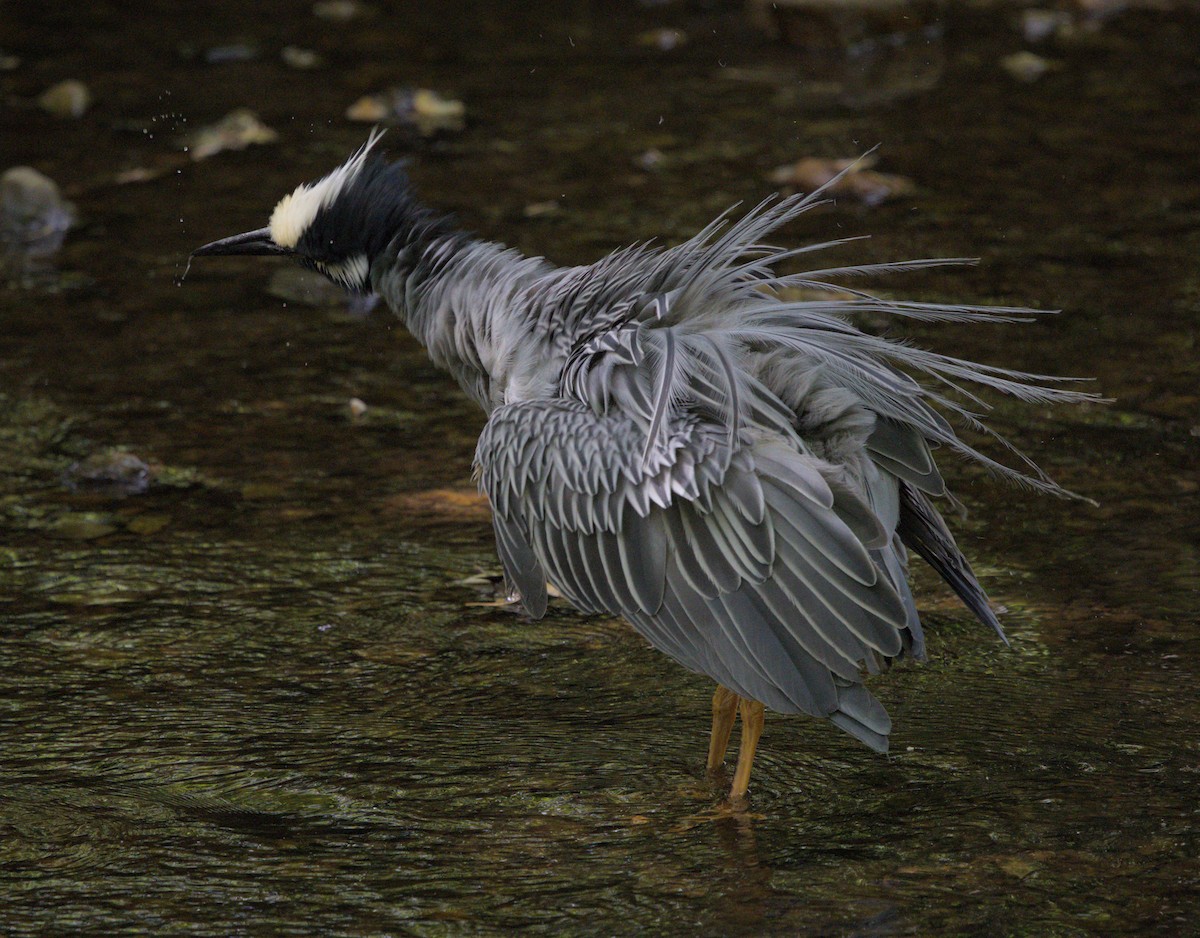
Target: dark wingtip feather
[(923, 529)]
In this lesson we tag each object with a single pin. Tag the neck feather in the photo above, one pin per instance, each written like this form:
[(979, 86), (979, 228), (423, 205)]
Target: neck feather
[(465, 300)]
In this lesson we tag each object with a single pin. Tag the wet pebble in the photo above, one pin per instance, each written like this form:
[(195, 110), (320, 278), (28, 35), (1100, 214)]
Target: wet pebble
[(233, 52), (650, 160), (1026, 67), (339, 11), (137, 174), (34, 217), (662, 39), (859, 182), (1040, 25), (82, 525), (540, 209), (302, 59), (235, 131), (115, 470), (68, 98), (421, 108), (145, 525)]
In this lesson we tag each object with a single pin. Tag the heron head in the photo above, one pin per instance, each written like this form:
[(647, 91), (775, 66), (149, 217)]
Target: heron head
[(336, 225)]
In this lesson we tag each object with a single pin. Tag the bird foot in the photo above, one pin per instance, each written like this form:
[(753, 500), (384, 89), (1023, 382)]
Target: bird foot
[(728, 810)]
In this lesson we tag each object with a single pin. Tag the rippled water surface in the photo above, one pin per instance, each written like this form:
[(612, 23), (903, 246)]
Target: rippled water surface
[(267, 693)]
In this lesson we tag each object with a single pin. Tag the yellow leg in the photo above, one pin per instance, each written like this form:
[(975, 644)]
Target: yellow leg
[(752, 727), (724, 709)]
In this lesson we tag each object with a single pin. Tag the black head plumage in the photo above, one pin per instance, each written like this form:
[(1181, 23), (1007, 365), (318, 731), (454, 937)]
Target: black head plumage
[(342, 223), (371, 208)]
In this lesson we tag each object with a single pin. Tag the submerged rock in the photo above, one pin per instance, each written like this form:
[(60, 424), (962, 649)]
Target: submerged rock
[(115, 470), (1038, 25), (663, 39), (235, 131), (859, 182), (1074, 19), (339, 11), (34, 219), (425, 110), (541, 209), (148, 524), (82, 525), (650, 160), (68, 98), (301, 59), (1026, 66), (231, 52)]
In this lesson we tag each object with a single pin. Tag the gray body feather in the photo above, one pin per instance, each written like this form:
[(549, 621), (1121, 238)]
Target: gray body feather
[(736, 475)]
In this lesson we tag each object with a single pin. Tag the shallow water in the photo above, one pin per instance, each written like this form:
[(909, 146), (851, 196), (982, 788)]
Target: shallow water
[(266, 695)]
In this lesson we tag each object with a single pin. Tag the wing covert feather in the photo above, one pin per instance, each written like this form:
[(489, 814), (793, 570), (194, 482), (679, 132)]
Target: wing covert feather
[(747, 567)]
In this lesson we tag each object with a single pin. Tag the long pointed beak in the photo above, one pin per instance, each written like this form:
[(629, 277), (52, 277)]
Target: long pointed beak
[(252, 242)]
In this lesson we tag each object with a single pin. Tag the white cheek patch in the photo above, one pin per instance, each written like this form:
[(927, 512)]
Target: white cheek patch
[(296, 211), (351, 272)]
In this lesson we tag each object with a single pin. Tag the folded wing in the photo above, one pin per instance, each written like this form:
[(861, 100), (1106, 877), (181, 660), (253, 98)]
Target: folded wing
[(749, 562)]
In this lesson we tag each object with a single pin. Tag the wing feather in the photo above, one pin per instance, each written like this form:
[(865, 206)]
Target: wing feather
[(521, 565), (589, 548), (739, 474), (904, 452), (746, 566), (708, 545), (642, 546), (687, 558)]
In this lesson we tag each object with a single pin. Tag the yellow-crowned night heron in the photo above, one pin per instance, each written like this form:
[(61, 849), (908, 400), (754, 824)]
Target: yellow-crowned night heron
[(737, 475)]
